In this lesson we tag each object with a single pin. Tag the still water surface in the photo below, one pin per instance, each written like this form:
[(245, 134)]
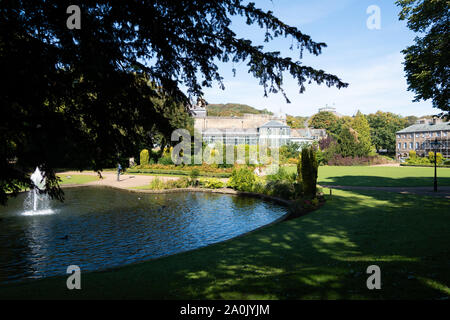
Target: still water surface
[(97, 228)]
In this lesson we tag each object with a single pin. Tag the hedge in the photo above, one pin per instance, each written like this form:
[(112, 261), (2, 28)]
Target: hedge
[(180, 172)]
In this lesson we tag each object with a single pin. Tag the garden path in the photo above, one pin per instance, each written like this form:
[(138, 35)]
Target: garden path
[(443, 191)]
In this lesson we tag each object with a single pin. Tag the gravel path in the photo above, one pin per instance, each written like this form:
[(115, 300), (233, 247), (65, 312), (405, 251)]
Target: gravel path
[(110, 179), (128, 181)]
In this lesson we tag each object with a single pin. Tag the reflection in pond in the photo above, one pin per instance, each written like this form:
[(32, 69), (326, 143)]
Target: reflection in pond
[(98, 228)]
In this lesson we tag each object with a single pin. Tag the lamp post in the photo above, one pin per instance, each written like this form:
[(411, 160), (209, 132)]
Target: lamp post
[(435, 145)]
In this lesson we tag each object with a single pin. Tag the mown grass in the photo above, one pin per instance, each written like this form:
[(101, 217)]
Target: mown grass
[(323, 255), (77, 179), (380, 176)]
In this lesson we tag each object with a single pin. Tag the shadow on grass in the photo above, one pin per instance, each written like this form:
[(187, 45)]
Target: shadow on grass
[(323, 255), (376, 181)]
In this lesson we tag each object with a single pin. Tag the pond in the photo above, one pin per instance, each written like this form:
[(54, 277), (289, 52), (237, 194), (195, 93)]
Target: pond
[(98, 228)]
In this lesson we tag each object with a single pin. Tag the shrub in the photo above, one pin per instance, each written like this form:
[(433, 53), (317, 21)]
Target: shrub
[(303, 205), (259, 187), (193, 175), (212, 183), (166, 159), (320, 157), (143, 157), (419, 161), (156, 184), (203, 168), (339, 160), (242, 179), (282, 174), (315, 169), (178, 172), (179, 183), (299, 171), (439, 157), (325, 143), (281, 189), (412, 154), (290, 150), (309, 168)]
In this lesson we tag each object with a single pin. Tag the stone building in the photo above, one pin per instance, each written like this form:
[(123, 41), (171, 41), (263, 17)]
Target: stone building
[(419, 136), (330, 109), (251, 129)]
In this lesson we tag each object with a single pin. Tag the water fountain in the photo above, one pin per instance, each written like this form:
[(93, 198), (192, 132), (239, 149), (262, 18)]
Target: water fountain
[(36, 200)]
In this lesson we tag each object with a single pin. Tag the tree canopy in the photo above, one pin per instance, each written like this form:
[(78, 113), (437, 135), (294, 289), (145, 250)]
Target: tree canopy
[(427, 61), (84, 97), (232, 110), (296, 122), (383, 127), (364, 141), (323, 120)]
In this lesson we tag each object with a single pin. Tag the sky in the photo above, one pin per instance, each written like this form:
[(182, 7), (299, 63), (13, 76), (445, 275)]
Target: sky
[(370, 60)]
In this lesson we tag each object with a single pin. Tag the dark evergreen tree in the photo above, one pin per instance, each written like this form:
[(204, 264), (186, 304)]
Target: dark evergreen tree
[(309, 169), (84, 97), (347, 142), (314, 165)]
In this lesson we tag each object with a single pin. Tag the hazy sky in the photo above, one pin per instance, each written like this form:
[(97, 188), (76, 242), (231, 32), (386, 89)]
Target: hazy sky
[(369, 60)]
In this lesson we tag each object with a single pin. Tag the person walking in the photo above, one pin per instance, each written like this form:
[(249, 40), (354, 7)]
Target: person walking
[(119, 168)]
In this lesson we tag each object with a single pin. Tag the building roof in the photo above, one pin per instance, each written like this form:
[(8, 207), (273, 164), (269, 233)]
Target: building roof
[(274, 124), (426, 127), (230, 131), (308, 132)]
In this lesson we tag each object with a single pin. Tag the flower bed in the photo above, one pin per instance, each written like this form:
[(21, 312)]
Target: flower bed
[(204, 170)]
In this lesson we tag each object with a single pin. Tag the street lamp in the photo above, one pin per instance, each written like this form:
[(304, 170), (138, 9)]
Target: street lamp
[(435, 145)]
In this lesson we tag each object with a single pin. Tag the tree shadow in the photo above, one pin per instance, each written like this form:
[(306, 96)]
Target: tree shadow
[(323, 255), (376, 181)]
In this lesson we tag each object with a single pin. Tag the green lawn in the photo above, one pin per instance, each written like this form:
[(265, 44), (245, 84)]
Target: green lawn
[(323, 255), (77, 179), (381, 176)]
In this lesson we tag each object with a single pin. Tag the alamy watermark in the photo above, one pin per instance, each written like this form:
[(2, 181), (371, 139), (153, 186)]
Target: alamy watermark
[(74, 20), (374, 20), (225, 149), (374, 281), (74, 280)]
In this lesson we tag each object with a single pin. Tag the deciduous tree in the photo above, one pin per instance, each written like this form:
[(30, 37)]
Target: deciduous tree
[(383, 126), (323, 120), (427, 62), (362, 128)]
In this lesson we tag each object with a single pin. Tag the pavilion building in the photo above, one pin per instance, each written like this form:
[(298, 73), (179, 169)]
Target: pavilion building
[(252, 129)]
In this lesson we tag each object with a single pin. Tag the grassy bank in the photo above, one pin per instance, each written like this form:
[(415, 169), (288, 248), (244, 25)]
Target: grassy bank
[(381, 176), (323, 255), (77, 179)]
